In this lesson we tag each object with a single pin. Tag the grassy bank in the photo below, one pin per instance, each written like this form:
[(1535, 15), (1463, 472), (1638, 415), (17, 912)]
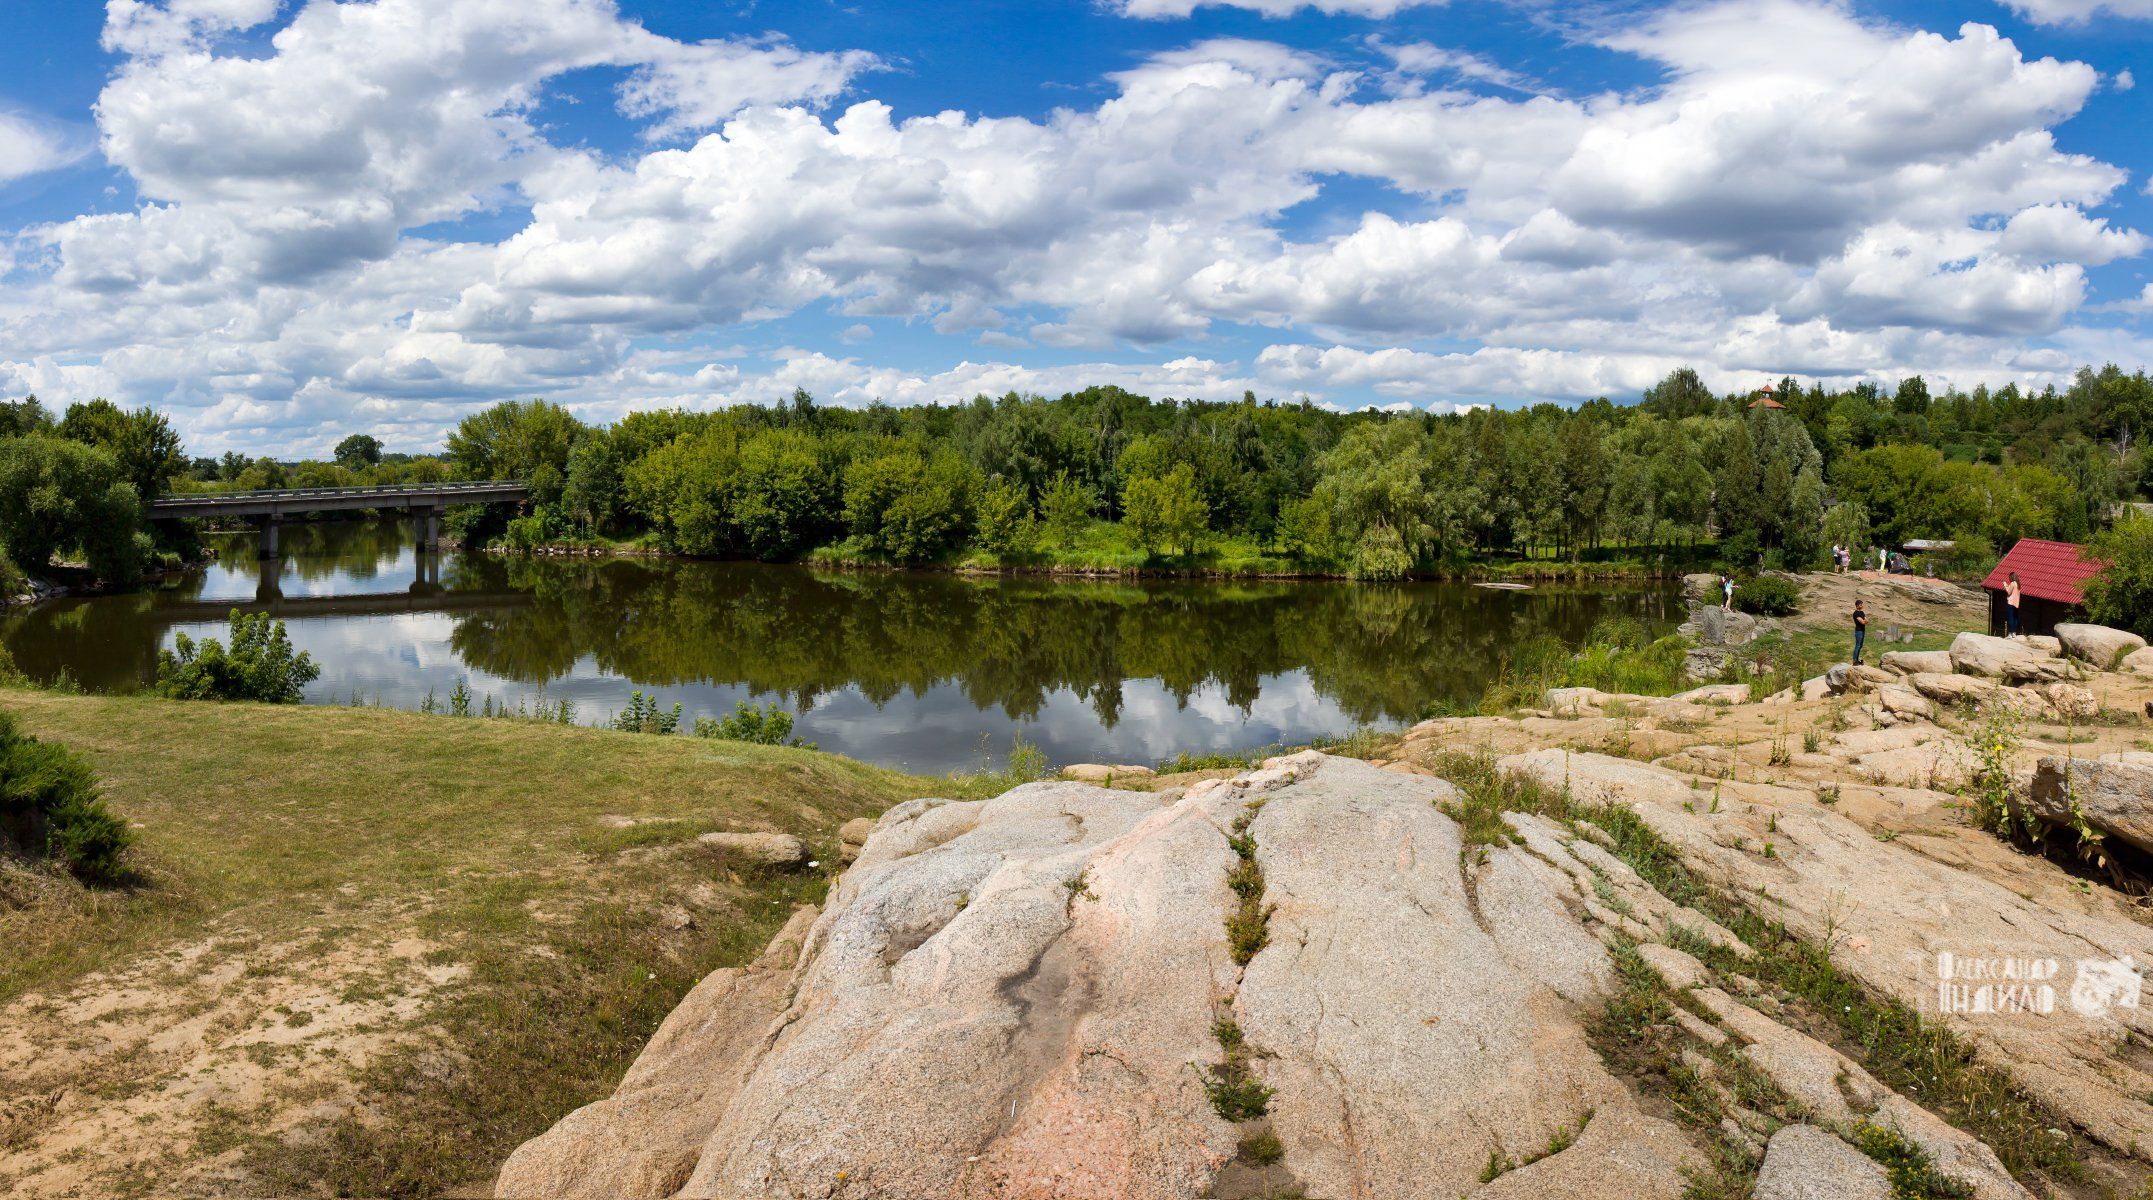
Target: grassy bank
[(490, 917), (1106, 549)]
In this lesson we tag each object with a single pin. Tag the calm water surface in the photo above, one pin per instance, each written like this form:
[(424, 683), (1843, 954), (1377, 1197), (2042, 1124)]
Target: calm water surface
[(929, 672)]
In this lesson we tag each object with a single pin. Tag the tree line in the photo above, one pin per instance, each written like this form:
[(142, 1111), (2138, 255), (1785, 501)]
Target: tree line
[(1105, 477), (1770, 478)]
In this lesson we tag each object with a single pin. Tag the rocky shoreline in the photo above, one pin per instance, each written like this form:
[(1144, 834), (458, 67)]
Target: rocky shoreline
[(1590, 949)]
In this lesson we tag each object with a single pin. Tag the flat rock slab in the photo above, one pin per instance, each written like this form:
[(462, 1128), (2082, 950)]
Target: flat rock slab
[(1990, 657), (1917, 662), (1803, 1162), (1012, 998), (2099, 645)]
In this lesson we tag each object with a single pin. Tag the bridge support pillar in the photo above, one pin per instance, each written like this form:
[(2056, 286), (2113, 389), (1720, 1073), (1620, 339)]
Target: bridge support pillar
[(270, 526), (426, 524)]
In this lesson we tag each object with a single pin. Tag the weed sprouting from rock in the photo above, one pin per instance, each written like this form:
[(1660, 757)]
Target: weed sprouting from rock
[(1248, 926), (1912, 1174)]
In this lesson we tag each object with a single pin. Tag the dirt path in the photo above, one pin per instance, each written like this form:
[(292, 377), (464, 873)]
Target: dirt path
[(1906, 601)]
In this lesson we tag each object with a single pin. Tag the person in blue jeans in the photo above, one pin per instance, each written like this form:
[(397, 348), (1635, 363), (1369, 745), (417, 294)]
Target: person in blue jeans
[(1861, 630), (2010, 605)]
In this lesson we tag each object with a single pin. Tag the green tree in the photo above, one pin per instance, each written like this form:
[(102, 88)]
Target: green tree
[(2122, 593), (785, 495), (142, 442), (58, 495), (686, 490), (1165, 512), (593, 495), (1067, 506), (358, 452), (1847, 524), (1006, 527), (1681, 394), (511, 440), (19, 418), (1377, 498), (907, 506)]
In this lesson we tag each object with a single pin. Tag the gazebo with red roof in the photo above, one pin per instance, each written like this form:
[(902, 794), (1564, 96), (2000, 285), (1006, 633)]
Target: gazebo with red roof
[(2051, 581)]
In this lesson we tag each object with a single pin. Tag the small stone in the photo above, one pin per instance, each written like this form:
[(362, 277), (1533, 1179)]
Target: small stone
[(856, 831), (768, 849)]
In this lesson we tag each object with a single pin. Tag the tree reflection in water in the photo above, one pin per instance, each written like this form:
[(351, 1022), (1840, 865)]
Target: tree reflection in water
[(918, 656)]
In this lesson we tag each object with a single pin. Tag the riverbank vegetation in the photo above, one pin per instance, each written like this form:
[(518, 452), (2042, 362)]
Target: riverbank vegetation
[(1105, 480)]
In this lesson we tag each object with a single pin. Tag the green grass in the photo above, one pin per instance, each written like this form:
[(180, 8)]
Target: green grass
[(319, 827), (252, 810)]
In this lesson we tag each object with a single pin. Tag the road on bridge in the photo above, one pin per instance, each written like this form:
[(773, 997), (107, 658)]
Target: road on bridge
[(424, 502)]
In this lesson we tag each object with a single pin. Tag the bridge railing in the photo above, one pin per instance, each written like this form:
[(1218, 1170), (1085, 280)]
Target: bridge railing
[(191, 499)]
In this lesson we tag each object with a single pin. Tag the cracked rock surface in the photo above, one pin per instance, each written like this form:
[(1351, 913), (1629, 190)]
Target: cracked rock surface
[(1023, 997), (1011, 998)]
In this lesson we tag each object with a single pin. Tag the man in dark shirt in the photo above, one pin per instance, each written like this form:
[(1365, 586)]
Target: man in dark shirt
[(1861, 630)]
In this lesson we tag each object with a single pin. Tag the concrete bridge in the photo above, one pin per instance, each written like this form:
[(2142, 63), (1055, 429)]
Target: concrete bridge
[(424, 502)]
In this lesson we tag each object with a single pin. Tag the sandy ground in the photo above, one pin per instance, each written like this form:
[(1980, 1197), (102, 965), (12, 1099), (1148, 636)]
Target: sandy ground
[(151, 1070)]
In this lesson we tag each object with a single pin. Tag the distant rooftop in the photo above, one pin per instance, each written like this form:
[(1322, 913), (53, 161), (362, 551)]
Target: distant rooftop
[(2047, 570)]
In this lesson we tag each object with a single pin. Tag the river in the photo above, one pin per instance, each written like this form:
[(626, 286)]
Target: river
[(925, 671)]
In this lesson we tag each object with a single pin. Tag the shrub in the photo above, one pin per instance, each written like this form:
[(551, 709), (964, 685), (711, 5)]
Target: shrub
[(644, 716), (49, 803), (770, 726), (1767, 595), (525, 534), (259, 666)]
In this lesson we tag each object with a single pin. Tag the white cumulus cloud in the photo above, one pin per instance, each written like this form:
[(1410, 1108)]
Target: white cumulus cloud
[(1799, 191)]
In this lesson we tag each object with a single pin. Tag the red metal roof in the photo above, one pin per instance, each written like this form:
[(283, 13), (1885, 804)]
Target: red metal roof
[(2046, 570)]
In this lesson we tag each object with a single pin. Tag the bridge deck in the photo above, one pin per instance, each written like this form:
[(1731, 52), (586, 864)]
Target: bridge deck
[(302, 500)]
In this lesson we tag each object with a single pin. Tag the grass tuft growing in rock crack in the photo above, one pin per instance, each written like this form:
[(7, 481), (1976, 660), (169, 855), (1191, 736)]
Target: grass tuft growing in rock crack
[(1235, 1093), (1919, 1059), (1248, 926), (1489, 793), (1913, 1176)]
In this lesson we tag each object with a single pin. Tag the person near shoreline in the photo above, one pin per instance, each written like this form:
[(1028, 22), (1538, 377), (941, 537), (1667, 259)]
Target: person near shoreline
[(1861, 630), (2011, 598)]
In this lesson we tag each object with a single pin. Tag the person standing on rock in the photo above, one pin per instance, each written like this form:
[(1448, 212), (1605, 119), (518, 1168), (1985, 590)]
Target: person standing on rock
[(1861, 630), (2010, 605), (1726, 587)]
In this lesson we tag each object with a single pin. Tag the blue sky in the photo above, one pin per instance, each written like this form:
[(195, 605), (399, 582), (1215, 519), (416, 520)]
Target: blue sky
[(282, 222)]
